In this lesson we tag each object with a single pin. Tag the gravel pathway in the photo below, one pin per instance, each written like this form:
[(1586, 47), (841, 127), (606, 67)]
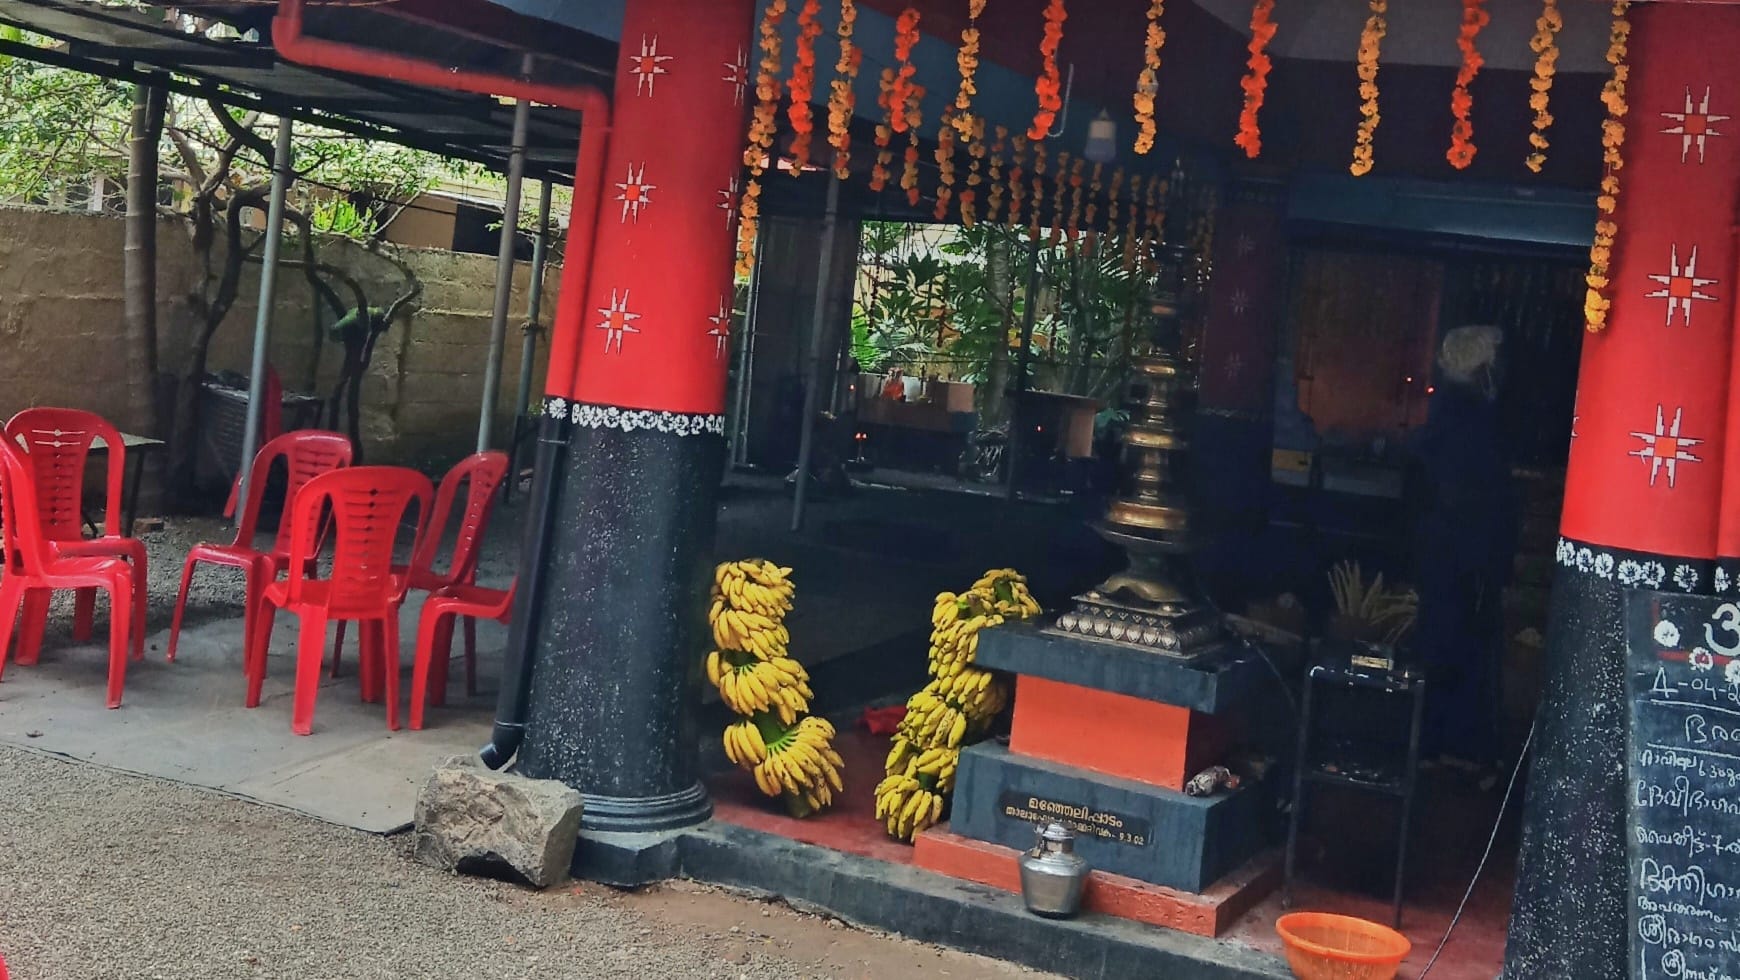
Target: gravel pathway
[(105, 876)]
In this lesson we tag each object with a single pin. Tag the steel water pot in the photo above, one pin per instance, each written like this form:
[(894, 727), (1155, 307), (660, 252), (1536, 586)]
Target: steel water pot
[(1052, 874)]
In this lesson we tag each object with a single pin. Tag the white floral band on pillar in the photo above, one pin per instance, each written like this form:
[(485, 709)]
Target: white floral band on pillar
[(1633, 571), (636, 419)]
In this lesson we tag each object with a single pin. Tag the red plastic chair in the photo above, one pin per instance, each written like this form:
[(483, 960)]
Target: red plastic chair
[(367, 506), (271, 427), (306, 453), (435, 640), (481, 474), (33, 568), (58, 442)]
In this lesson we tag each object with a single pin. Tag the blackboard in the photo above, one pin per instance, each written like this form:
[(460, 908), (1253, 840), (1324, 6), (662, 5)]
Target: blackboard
[(1683, 786)]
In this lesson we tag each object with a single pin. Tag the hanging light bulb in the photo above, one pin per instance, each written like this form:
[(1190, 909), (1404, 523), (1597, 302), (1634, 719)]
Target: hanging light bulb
[(1102, 140)]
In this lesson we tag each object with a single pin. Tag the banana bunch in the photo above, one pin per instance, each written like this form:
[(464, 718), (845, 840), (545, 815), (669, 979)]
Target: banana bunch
[(957, 706), (802, 765), (787, 751)]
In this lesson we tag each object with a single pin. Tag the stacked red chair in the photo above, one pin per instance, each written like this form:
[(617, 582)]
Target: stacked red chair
[(306, 454), (58, 444), (435, 639), (365, 508), (34, 567)]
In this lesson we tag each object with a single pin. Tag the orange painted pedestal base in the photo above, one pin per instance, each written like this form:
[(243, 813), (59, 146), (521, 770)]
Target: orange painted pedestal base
[(1114, 734), (1208, 914)]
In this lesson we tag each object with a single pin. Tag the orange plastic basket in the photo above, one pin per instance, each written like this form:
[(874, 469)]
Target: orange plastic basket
[(1340, 947)]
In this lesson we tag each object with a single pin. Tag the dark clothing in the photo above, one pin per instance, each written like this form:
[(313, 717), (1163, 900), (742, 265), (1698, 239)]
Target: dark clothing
[(1465, 545)]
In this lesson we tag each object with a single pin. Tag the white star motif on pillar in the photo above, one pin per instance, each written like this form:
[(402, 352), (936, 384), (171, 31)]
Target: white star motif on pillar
[(737, 75), (1244, 244), (1681, 287), (635, 193), (721, 332), (648, 65), (1235, 366), (1665, 447), (1241, 301), (617, 321), (729, 197), (1695, 125)]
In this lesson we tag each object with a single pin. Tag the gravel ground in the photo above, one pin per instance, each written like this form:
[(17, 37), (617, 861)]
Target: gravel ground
[(109, 876)]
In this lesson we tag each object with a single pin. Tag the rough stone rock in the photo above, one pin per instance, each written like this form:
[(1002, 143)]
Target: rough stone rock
[(471, 819)]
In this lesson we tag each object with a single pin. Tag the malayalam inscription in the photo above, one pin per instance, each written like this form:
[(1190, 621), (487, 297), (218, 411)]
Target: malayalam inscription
[(1683, 769), (1086, 821)]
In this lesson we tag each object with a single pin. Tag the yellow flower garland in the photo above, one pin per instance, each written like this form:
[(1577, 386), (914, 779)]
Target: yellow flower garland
[(1545, 45), (1076, 180), (763, 126), (970, 196), (945, 164), (880, 173), (1148, 82), (1017, 188), (1370, 45), (842, 102), (1595, 303), (994, 200), (1058, 203), (1135, 222), (967, 60)]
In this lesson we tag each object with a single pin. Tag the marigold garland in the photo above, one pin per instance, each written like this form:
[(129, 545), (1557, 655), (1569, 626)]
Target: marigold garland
[(1462, 148), (967, 60), (1076, 181), (1370, 46), (945, 164), (994, 199), (1049, 86), (1112, 191), (803, 85), (1096, 184), (842, 101), (909, 179), (1596, 304), (1135, 222), (1545, 45), (1033, 221), (976, 152), (1256, 80), (1059, 203), (1017, 171), (763, 125), (905, 39), (880, 173), (1148, 82)]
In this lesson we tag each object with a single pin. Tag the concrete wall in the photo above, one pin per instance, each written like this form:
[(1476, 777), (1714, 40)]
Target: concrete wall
[(61, 314)]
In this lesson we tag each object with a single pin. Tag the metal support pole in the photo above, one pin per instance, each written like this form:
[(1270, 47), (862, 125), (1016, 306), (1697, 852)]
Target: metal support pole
[(281, 176), (529, 339), (818, 327), (504, 268), (1023, 358), (746, 362)]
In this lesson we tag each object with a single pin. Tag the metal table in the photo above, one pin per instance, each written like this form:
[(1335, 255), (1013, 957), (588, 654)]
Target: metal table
[(137, 448)]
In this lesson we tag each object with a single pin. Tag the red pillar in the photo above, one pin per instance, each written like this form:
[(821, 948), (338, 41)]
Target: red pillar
[(1651, 491), (636, 400)]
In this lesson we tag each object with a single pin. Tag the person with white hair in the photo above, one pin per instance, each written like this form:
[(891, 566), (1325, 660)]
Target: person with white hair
[(1465, 547)]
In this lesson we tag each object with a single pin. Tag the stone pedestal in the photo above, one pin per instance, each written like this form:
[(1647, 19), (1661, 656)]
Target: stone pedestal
[(1105, 736)]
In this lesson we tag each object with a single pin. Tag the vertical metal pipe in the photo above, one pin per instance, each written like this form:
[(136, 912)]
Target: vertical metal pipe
[(746, 361), (1023, 359), (281, 176), (534, 305), (818, 327), (504, 268)]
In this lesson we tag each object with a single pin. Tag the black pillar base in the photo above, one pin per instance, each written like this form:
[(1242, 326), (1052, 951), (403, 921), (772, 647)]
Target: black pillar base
[(618, 650), (1568, 920)]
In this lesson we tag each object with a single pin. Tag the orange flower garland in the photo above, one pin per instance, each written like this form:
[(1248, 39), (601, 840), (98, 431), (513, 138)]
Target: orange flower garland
[(1112, 193), (842, 102), (1148, 83), (970, 196), (1462, 148), (1017, 189), (905, 39), (1256, 80), (1095, 185), (1076, 181), (945, 165), (909, 179), (763, 125), (879, 174), (1135, 221), (1058, 203), (994, 200), (967, 60), (1595, 303), (1038, 190), (1545, 45), (803, 85), (1049, 86), (1370, 44)]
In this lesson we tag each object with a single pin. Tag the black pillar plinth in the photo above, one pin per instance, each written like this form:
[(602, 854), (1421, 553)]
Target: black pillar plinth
[(617, 659), (1569, 916)]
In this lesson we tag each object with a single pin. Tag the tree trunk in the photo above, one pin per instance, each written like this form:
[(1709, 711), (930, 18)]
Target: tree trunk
[(1000, 283), (139, 258)]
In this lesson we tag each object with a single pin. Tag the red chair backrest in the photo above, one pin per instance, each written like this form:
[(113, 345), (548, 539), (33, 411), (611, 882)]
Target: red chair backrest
[(481, 473), (21, 539), (307, 453), (58, 441), (365, 507)]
